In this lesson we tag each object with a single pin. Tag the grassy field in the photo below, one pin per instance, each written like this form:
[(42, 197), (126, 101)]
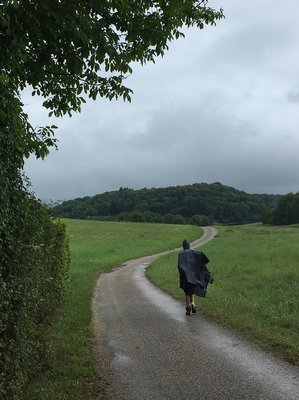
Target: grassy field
[(256, 289), (96, 246)]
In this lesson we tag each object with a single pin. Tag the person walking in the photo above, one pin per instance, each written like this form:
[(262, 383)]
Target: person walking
[(194, 275)]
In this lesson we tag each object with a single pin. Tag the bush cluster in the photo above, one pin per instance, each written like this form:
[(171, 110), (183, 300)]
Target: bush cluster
[(34, 261), (285, 212)]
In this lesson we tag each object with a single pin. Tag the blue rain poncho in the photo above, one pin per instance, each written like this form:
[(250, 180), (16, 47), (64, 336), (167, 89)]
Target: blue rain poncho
[(194, 274)]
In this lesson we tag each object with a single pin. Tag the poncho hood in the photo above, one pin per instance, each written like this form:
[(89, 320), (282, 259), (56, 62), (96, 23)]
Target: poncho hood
[(186, 244)]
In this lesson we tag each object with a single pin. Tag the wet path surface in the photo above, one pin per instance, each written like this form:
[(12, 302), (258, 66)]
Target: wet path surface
[(156, 352)]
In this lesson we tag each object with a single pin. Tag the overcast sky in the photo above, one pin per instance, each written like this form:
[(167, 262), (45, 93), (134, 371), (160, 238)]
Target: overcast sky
[(222, 105)]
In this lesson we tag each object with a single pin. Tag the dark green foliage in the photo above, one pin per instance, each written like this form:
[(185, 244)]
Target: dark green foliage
[(285, 212), (198, 204), (33, 270), (202, 220), (33, 257), (66, 49)]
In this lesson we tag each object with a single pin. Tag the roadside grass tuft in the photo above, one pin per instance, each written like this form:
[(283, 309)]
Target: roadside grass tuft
[(256, 289)]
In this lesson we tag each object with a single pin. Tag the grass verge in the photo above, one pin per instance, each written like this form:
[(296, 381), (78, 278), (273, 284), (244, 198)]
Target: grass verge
[(256, 289), (71, 373)]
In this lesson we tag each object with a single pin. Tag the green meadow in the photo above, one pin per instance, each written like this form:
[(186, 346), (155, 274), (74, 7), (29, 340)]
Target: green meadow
[(256, 289), (70, 371)]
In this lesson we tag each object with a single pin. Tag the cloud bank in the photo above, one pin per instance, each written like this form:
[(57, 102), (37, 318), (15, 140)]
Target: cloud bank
[(222, 105)]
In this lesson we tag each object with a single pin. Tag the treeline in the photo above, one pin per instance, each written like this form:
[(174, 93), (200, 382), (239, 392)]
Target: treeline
[(200, 204), (285, 212)]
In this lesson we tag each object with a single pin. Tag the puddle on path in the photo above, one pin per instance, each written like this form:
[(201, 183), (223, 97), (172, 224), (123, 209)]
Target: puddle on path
[(121, 359)]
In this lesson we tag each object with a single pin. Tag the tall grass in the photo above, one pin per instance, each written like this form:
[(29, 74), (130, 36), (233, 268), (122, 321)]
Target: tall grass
[(256, 289), (95, 247)]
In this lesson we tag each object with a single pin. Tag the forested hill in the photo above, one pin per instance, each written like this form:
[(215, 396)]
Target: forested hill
[(198, 203)]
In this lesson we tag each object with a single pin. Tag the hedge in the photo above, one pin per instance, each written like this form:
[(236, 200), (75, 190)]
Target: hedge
[(34, 261)]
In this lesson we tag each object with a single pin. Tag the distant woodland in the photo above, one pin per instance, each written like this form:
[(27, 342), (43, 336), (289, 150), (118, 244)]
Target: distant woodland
[(199, 204), (285, 212)]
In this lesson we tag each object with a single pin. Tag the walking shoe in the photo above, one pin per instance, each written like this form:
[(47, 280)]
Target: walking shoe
[(188, 310), (193, 308)]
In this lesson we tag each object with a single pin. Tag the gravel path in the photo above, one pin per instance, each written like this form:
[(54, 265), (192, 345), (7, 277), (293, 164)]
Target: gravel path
[(153, 351)]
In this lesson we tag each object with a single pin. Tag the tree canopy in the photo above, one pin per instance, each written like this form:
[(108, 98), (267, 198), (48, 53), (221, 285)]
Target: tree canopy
[(66, 48), (285, 212), (215, 201)]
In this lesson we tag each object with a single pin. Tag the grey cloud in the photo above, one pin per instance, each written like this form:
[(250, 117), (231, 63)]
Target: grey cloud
[(293, 95), (213, 109)]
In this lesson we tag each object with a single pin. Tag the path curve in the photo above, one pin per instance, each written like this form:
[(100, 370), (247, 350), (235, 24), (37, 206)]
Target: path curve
[(153, 351)]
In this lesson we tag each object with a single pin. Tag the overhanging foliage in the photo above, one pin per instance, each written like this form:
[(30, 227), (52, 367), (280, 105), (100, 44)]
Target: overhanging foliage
[(64, 49)]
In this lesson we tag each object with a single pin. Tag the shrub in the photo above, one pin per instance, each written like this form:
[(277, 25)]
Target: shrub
[(34, 265), (178, 219), (201, 220), (34, 260)]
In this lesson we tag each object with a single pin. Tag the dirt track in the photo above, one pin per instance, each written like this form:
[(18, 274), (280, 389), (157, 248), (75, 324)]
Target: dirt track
[(153, 351)]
